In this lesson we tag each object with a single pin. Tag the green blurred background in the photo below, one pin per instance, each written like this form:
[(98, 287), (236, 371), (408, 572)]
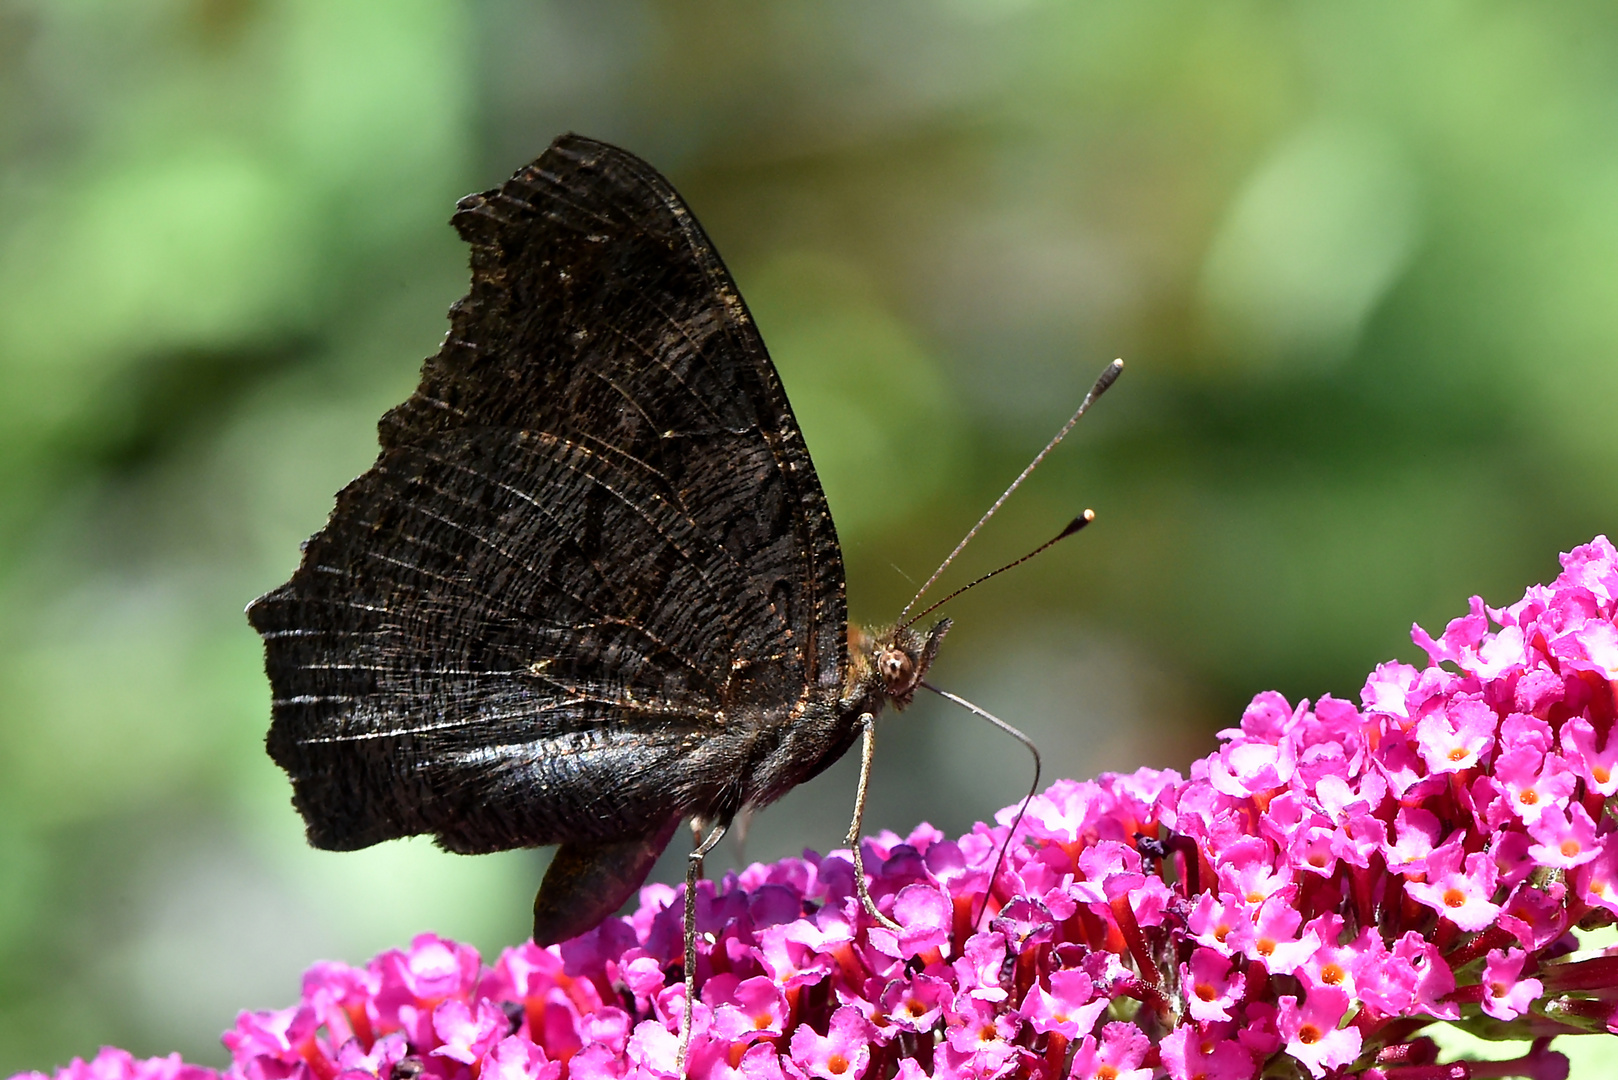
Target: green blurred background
[(1361, 260)]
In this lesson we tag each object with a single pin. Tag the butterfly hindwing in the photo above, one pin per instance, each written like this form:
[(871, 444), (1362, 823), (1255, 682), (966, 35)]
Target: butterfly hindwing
[(591, 575)]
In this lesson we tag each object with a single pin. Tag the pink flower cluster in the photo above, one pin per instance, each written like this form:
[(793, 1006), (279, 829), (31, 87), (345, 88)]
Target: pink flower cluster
[(1330, 882), (115, 1064)]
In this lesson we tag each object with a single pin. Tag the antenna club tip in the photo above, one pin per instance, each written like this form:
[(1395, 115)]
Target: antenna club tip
[(1109, 375), (1075, 525)]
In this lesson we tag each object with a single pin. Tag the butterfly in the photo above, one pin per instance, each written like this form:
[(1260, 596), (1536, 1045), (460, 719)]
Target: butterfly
[(591, 586)]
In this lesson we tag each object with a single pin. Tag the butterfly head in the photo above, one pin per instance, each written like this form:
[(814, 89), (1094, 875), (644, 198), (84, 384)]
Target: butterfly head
[(895, 661)]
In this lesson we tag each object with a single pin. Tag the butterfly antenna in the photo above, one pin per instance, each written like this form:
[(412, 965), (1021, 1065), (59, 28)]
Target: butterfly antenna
[(1109, 375), (1072, 527), (1021, 809)]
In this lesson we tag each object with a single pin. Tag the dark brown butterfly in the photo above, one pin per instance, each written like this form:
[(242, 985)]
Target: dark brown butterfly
[(591, 586)]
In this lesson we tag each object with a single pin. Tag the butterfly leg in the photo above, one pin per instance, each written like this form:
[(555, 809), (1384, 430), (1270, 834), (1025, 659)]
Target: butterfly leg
[(693, 872), (867, 752)]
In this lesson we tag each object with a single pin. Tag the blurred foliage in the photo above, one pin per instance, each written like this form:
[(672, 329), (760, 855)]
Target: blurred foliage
[(1361, 260)]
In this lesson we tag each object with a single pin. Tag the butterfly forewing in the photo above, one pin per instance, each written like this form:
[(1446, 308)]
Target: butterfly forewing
[(591, 577)]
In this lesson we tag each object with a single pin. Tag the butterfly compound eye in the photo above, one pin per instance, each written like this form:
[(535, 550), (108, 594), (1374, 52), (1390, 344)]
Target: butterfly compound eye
[(896, 667), (902, 658)]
